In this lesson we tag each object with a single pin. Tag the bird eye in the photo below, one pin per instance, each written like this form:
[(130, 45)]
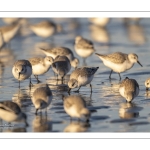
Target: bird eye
[(73, 84), (147, 83)]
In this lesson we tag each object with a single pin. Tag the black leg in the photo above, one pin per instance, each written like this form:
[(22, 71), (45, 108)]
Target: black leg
[(30, 84), (62, 80), (110, 74), (78, 89), (119, 75), (19, 84), (70, 119), (46, 111), (91, 87), (36, 111), (36, 77)]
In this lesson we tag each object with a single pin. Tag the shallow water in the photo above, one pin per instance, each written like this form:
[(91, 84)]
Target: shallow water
[(110, 112)]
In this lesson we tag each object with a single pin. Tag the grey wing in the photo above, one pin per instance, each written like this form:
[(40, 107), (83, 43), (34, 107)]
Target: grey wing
[(10, 106), (34, 60), (117, 57), (86, 42)]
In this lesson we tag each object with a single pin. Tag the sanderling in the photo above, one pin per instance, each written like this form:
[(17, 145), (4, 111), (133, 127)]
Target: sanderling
[(2, 42), (22, 70), (42, 97), (10, 20), (147, 83), (83, 47), (45, 28), (75, 106), (10, 31), (11, 112), (62, 51), (119, 62), (81, 77), (40, 65), (129, 89), (99, 21), (61, 66)]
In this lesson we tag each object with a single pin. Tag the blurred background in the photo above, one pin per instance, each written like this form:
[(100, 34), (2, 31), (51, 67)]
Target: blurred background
[(22, 38)]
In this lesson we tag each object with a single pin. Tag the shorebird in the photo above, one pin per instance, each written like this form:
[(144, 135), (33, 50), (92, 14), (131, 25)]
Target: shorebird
[(61, 66), (129, 89), (11, 112), (81, 77), (9, 31), (2, 42), (42, 97), (83, 47), (62, 51), (75, 106), (45, 28), (22, 69), (119, 62), (99, 21), (40, 65)]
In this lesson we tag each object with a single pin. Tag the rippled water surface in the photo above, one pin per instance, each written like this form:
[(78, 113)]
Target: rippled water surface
[(110, 112)]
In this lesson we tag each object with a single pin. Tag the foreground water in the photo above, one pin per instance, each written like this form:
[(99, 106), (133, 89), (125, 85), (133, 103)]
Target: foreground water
[(110, 112)]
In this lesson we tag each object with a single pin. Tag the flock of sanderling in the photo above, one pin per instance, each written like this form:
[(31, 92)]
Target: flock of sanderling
[(61, 59)]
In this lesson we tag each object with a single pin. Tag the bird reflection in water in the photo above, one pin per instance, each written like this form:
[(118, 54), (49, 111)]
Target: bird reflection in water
[(41, 124), (99, 34), (77, 127), (136, 34), (129, 110), (21, 98)]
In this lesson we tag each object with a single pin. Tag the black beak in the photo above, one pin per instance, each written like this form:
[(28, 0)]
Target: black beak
[(69, 90), (87, 120), (36, 111), (26, 124), (147, 89), (139, 63), (19, 75)]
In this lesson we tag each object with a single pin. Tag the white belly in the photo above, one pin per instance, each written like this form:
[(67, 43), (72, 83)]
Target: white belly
[(43, 32), (117, 67), (84, 80), (8, 116), (84, 53), (71, 111), (40, 69), (121, 91)]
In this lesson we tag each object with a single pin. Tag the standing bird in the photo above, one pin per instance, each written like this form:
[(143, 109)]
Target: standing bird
[(40, 65), (99, 21), (10, 31), (83, 47), (2, 42), (119, 62), (45, 28), (61, 66), (75, 106), (11, 112), (81, 77), (22, 69), (129, 89), (62, 51), (42, 98), (147, 84)]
